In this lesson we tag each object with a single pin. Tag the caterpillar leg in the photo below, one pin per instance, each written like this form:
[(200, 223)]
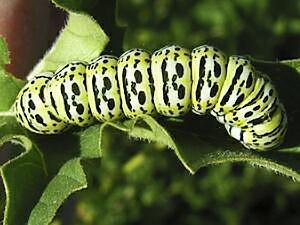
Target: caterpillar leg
[(32, 110), (171, 70), (103, 88)]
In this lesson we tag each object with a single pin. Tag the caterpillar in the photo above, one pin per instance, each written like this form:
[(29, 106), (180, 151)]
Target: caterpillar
[(169, 82)]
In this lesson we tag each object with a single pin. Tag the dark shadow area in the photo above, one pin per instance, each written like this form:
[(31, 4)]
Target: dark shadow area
[(57, 149), (9, 151), (202, 127)]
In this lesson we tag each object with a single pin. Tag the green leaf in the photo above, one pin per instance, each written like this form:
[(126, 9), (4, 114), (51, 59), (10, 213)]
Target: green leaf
[(23, 178), (90, 142), (69, 179), (92, 139), (9, 85), (105, 13), (82, 39), (9, 125), (154, 132), (294, 63), (196, 150)]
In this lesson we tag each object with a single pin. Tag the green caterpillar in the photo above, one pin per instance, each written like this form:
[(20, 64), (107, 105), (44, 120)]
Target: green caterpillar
[(170, 82)]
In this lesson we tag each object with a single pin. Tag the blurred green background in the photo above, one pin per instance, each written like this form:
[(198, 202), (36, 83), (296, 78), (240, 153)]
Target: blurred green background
[(264, 29), (138, 183)]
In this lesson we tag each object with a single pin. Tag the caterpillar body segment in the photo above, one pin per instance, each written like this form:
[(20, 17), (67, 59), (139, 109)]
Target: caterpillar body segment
[(136, 83), (239, 83), (256, 107), (103, 88), (67, 93), (208, 76), (266, 135), (171, 69), (170, 82), (32, 110)]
